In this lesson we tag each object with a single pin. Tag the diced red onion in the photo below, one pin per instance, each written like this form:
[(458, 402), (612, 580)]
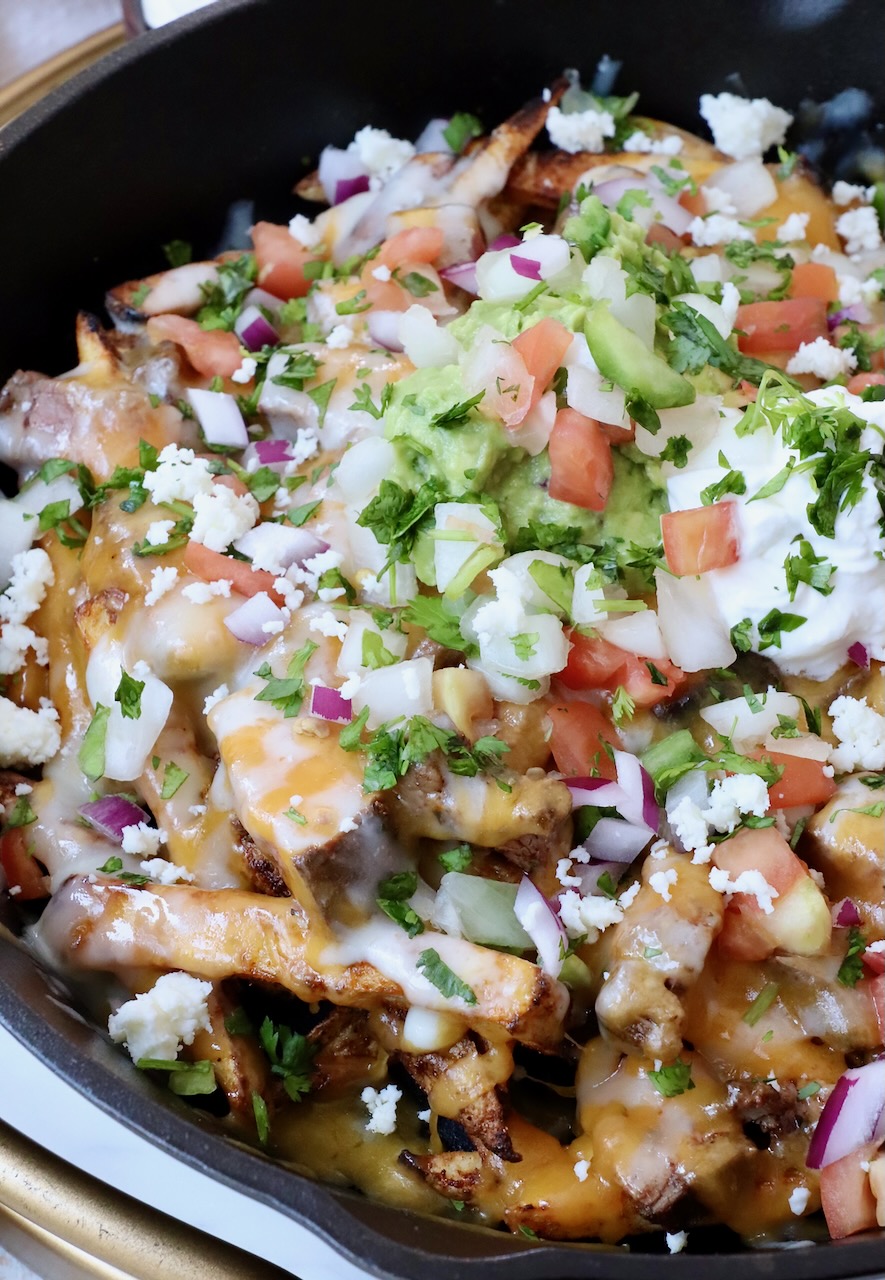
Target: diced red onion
[(269, 452), (596, 791), (671, 212), (504, 241), (462, 274), (639, 788), (347, 187), (616, 841), (384, 329), (530, 268), (859, 313), (328, 704), (248, 622), (854, 1114), (219, 417), (845, 914), (337, 167), (540, 921), (859, 655), (254, 331), (111, 814), (266, 301)]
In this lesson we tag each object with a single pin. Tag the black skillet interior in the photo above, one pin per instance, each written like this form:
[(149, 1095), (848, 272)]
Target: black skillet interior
[(157, 142)]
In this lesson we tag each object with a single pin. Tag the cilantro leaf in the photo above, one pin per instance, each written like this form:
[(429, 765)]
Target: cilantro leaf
[(851, 968), (773, 624), (128, 695), (437, 972), (174, 777), (187, 1079), (396, 516), (286, 693), (178, 253), (393, 895), (461, 128), (291, 1056), (457, 859), (91, 755), (21, 814), (440, 619), (676, 450), (672, 1080), (223, 298), (457, 414)]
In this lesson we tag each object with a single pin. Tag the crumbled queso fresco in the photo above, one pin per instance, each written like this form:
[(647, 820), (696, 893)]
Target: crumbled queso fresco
[(457, 632)]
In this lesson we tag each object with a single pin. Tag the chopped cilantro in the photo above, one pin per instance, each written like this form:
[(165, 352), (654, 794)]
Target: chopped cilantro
[(321, 396), (375, 654), (174, 777), (187, 1079), (21, 814), (461, 129), (112, 866), (286, 693), (262, 1120), (178, 253), (731, 482), (418, 286), (457, 859), (353, 306), (807, 567), (457, 414), (525, 644), (91, 755), (672, 1080), (557, 581), (396, 516), (128, 695), (223, 297), (363, 400), (676, 450), (643, 413), (657, 677), (623, 706), (761, 1004), (851, 968), (300, 367), (300, 515), (393, 896), (291, 1057), (437, 972), (773, 624)]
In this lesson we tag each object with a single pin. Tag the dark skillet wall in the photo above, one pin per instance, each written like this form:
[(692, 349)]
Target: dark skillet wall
[(156, 141)]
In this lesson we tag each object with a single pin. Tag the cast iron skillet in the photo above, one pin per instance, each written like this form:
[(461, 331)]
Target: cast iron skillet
[(156, 142)]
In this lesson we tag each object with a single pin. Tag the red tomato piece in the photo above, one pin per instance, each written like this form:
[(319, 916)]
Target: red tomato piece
[(413, 244), (637, 680), (281, 260), (213, 352), (581, 468), (860, 381), (213, 566), (701, 538), (543, 348), (781, 326), (21, 870), (592, 663), (814, 280), (579, 730), (803, 781), (846, 1196)]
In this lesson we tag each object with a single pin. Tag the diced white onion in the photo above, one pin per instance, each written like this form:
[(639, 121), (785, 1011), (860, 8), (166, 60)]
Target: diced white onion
[(424, 342), (219, 417), (584, 392), (401, 690), (692, 628), (585, 598), (636, 632), (705, 306), (748, 725), (749, 185), (128, 743), (351, 656), (363, 467), (639, 314)]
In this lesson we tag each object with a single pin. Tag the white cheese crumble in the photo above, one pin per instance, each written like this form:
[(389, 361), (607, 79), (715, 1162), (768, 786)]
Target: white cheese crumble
[(753, 883), (28, 737), (795, 227), (580, 130), (661, 881), (326, 624), (32, 575), (676, 1241), (582, 1168), (719, 201), (588, 915), (798, 1201), (824, 360), (246, 371), (305, 232), (859, 228), (158, 1022), (163, 579), (203, 592), (564, 874), (162, 871), (158, 532), (15, 641), (670, 145), (381, 154), (729, 799), (140, 838), (217, 695), (382, 1108), (744, 127), (222, 516), (861, 733), (179, 477), (381, 272), (340, 337), (844, 193), (716, 229)]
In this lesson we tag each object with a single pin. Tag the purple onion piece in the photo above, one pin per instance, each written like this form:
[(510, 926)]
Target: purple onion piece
[(462, 274), (111, 814), (254, 331), (328, 704), (846, 914), (541, 922), (347, 187), (504, 241), (248, 621), (529, 268), (853, 1115), (859, 655)]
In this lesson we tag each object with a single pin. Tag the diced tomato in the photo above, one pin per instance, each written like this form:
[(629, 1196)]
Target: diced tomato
[(860, 381), (637, 680), (507, 383), (542, 348), (814, 280), (803, 780), (748, 391), (669, 240), (763, 849), (213, 352), (701, 538), (21, 870), (414, 244), (579, 730), (281, 260), (781, 326), (592, 663), (846, 1196), (581, 468), (618, 435), (212, 566), (384, 295), (874, 960)]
